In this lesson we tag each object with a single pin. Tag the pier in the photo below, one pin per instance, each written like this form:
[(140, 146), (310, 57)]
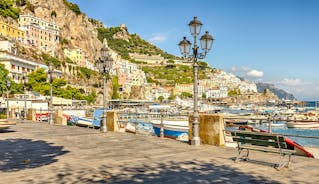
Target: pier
[(40, 153)]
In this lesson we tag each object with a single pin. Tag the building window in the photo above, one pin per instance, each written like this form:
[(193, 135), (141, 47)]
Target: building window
[(12, 67), (18, 67), (23, 69)]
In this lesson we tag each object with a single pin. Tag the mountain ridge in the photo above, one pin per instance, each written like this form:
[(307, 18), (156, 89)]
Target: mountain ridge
[(280, 93)]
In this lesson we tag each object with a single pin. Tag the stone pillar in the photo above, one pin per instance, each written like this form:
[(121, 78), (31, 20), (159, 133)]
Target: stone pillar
[(211, 129), (111, 120), (59, 118), (31, 114)]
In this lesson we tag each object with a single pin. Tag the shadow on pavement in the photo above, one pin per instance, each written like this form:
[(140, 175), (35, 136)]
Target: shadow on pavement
[(167, 172), (19, 154)]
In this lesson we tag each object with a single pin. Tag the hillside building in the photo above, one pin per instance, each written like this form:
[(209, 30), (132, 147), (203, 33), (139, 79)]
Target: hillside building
[(75, 55), (11, 31), (7, 46), (40, 33), (217, 93), (153, 59), (17, 65)]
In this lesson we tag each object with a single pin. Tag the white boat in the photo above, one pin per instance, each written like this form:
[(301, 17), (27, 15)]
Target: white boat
[(4, 124), (182, 123), (302, 124), (84, 122), (278, 124)]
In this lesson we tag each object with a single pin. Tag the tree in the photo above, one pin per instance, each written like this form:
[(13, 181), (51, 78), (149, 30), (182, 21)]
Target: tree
[(115, 82), (204, 95), (172, 97), (170, 61), (186, 95), (3, 75), (160, 98)]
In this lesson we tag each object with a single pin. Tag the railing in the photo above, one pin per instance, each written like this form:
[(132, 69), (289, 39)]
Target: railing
[(268, 123), (135, 118)]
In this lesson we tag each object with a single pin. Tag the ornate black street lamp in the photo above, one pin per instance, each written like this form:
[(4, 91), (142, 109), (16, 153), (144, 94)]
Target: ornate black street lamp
[(206, 42), (104, 64), (50, 72)]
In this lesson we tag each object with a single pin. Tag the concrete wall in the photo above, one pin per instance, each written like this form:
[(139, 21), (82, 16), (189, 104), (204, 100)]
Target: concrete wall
[(211, 129)]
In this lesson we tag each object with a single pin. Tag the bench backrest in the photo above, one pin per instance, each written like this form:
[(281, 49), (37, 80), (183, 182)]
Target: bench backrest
[(260, 139)]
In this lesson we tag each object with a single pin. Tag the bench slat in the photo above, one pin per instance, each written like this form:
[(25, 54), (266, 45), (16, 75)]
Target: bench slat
[(259, 138), (259, 135), (268, 149), (271, 143)]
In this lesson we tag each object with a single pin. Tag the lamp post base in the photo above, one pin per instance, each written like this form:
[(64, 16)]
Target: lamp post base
[(195, 141), (103, 129)]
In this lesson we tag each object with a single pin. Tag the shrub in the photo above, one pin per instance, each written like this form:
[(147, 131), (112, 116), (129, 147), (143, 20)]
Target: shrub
[(73, 7)]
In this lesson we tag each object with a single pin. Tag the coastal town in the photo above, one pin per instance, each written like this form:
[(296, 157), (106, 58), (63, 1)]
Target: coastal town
[(76, 93)]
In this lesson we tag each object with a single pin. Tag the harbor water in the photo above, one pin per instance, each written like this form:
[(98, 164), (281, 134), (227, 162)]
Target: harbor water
[(311, 142)]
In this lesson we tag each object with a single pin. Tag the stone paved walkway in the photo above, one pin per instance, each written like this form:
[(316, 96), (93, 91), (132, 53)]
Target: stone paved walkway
[(39, 153)]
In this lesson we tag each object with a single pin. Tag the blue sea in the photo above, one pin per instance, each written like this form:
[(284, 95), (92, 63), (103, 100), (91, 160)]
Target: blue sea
[(313, 142)]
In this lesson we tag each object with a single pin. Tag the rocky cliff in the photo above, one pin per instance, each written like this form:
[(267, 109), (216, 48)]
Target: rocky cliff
[(76, 29)]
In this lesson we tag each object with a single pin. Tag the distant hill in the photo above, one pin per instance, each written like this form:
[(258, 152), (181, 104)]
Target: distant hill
[(281, 94)]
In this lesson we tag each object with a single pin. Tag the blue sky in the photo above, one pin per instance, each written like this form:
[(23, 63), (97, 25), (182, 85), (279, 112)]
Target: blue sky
[(274, 41)]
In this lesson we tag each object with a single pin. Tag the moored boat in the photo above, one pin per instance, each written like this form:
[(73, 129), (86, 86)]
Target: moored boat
[(302, 124), (234, 122), (172, 129), (4, 124), (173, 132)]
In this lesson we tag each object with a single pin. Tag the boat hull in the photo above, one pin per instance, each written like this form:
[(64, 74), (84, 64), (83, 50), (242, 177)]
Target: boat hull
[(296, 124), (171, 131)]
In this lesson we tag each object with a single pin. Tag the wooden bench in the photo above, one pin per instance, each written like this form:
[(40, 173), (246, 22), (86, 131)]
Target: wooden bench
[(261, 141)]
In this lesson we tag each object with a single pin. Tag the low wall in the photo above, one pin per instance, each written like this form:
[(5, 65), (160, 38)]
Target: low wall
[(211, 129)]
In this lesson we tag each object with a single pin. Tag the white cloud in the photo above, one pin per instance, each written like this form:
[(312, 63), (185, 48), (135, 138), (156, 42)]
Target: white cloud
[(302, 90), (255, 73), (291, 82), (157, 38)]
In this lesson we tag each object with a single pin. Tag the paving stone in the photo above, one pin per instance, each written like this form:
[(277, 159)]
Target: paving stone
[(39, 153)]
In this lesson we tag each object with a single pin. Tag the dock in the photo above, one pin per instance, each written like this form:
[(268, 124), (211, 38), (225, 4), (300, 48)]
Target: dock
[(39, 153)]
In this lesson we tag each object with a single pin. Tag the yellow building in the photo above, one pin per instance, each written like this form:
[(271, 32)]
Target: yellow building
[(75, 55), (11, 31)]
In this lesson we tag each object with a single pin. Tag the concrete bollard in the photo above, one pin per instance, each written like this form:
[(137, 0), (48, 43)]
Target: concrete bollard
[(59, 118), (211, 129), (112, 121), (31, 114)]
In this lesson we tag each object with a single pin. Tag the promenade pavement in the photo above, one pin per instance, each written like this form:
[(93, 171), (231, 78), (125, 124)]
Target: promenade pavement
[(39, 153)]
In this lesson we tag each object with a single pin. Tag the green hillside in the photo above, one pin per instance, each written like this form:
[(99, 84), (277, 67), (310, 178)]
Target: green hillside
[(173, 74), (135, 44)]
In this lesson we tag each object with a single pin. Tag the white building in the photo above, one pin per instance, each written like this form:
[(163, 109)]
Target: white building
[(17, 65), (217, 92), (7, 46)]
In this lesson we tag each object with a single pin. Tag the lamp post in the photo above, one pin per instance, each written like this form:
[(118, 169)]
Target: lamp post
[(24, 115), (8, 85), (50, 71), (206, 42), (104, 65)]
